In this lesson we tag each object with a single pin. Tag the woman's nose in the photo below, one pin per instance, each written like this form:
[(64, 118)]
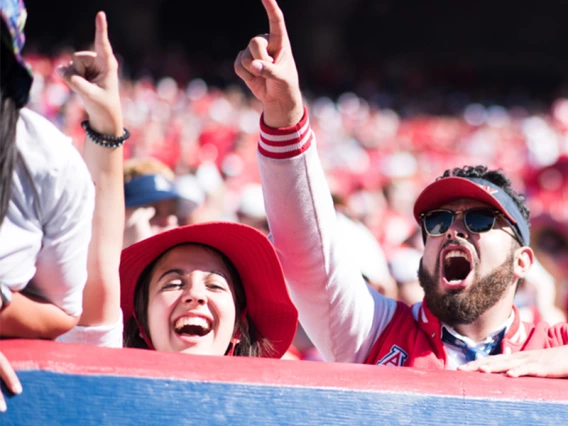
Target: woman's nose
[(195, 292)]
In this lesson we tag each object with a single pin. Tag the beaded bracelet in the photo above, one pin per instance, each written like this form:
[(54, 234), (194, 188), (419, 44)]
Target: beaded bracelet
[(104, 140)]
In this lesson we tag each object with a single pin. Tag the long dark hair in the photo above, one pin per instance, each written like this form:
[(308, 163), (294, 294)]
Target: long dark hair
[(9, 114), (251, 342)]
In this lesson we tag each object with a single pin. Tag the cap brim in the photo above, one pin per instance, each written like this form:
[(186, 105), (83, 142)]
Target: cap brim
[(150, 197), (449, 189), (268, 302)]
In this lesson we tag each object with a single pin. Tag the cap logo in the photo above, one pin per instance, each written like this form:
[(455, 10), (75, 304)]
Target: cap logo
[(161, 183), (488, 189)]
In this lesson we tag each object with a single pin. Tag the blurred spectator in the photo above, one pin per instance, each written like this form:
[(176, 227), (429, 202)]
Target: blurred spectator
[(536, 297), (367, 253), (547, 188), (151, 199), (404, 268), (250, 210), (191, 200)]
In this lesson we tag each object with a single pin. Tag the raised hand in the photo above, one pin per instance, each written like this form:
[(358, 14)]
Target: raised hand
[(94, 77), (267, 67), (552, 362)]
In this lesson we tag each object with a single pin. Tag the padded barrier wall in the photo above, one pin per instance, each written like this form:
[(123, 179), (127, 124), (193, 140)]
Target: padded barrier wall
[(68, 384)]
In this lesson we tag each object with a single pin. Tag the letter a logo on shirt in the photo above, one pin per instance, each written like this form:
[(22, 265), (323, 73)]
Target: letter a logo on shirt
[(395, 357)]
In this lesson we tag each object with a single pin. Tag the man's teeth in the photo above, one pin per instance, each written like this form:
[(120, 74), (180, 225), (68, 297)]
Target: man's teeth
[(454, 253)]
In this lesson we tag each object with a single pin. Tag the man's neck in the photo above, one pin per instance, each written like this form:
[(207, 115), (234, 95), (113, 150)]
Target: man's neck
[(491, 321)]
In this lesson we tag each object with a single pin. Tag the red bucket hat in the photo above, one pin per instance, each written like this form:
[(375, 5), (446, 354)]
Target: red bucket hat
[(267, 300)]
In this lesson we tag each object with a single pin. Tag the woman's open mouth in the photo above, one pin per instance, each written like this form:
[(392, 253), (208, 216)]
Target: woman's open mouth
[(192, 326)]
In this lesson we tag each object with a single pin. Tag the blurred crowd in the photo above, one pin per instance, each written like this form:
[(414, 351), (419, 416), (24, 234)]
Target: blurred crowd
[(376, 159)]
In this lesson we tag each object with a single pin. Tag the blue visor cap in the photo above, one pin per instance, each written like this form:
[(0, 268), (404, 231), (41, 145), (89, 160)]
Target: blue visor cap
[(446, 190), (148, 189)]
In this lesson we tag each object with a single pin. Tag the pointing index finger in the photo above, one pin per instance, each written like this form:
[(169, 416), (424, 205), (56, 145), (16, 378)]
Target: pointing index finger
[(277, 25), (102, 43)]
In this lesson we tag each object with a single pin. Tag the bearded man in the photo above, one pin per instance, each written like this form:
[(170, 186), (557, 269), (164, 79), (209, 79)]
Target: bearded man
[(476, 234)]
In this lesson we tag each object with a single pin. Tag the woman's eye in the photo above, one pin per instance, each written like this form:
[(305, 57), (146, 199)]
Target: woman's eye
[(216, 286), (172, 285)]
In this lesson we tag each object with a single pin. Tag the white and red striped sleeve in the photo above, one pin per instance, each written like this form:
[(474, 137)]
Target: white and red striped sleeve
[(286, 142), (340, 313)]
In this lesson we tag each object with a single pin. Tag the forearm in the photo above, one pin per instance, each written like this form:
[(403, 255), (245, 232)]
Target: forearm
[(101, 297), (339, 312), (32, 318)]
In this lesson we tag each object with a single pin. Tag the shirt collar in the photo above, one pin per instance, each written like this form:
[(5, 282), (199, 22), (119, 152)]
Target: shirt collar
[(490, 338)]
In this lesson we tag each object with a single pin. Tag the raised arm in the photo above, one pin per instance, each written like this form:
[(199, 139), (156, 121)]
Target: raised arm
[(32, 317), (342, 315), (94, 77)]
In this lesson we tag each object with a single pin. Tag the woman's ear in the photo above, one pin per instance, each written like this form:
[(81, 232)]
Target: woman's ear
[(524, 258)]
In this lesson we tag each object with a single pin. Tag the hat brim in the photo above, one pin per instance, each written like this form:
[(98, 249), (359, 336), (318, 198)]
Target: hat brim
[(446, 190), (268, 302)]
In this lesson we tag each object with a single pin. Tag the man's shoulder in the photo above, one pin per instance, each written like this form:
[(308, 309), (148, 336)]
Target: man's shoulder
[(406, 317), (539, 335)]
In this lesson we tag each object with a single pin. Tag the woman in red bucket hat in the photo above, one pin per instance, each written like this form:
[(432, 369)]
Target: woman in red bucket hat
[(213, 288)]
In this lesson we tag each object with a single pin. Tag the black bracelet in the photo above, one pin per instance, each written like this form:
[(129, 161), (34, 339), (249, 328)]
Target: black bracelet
[(104, 140)]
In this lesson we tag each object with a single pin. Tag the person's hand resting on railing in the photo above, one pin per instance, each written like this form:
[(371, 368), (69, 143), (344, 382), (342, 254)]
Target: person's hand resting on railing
[(552, 362)]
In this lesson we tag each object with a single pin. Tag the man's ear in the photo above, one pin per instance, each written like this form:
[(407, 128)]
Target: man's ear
[(524, 258)]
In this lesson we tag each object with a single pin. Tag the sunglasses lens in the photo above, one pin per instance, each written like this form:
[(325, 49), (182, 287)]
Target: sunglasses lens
[(437, 222), (479, 221)]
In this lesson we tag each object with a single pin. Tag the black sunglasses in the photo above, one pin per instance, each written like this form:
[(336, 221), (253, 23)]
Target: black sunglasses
[(476, 220)]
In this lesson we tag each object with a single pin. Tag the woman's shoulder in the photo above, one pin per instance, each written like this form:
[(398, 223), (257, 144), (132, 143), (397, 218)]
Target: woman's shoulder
[(41, 143), (47, 152)]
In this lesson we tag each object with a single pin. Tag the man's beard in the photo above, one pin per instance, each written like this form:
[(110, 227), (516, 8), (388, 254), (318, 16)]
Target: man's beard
[(467, 305)]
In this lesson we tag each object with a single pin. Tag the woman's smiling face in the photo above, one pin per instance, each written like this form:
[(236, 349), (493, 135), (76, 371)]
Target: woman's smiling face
[(191, 303)]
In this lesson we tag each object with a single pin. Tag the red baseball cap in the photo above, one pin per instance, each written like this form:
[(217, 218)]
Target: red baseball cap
[(267, 300), (448, 189)]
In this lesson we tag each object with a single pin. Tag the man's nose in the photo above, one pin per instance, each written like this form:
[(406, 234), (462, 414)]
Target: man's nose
[(457, 229)]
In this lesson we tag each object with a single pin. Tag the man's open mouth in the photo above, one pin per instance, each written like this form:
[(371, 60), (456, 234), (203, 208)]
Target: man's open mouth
[(457, 265)]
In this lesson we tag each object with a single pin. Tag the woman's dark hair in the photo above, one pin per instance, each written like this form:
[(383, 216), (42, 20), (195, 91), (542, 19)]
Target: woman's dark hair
[(9, 114), (251, 343)]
